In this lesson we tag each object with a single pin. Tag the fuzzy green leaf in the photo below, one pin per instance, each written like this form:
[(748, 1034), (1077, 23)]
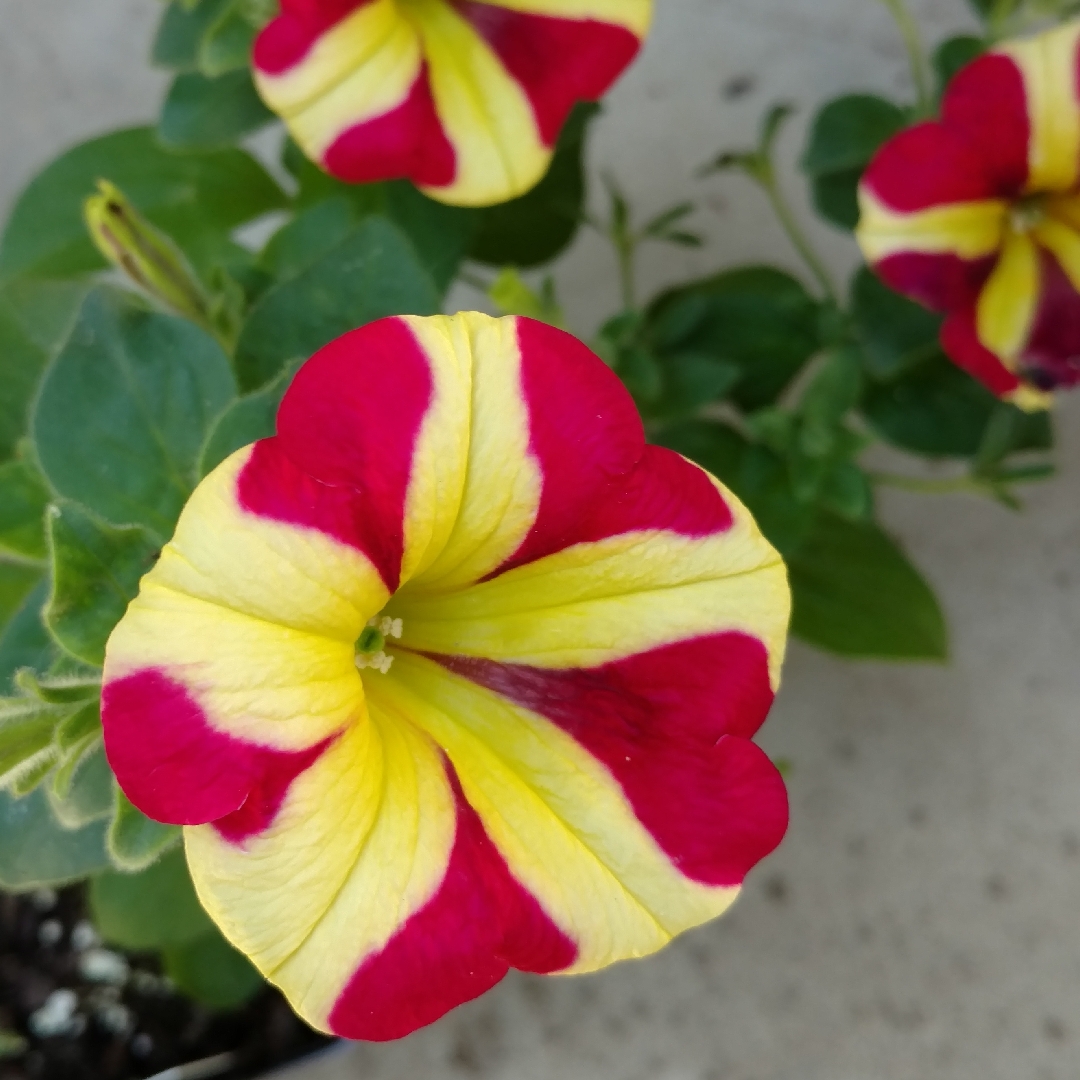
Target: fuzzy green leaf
[(154, 909), (124, 409), (134, 841)]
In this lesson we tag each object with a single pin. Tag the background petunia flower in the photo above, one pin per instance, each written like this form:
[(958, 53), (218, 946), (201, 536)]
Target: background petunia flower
[(455, 674), (466, 98), (978, 215)]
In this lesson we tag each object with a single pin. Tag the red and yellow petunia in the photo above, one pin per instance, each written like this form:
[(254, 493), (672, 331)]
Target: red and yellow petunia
[(455, 674), (978, 215), (463, 97)]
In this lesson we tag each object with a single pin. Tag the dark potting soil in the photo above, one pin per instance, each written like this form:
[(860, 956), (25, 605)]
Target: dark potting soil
[(112, 1026)]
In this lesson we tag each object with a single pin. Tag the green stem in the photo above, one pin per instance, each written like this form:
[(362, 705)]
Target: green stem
[(795, 234), (920, 70), (625, 248), (925, 486)]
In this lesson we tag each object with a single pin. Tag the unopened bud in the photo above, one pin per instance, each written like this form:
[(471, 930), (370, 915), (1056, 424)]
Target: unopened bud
[(144, 253)]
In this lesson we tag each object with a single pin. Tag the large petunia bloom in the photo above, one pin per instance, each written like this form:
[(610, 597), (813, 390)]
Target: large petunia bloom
[(454, 674), (978, 215), (465, 98)]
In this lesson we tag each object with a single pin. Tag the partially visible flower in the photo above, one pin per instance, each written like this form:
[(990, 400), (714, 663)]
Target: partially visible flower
[(978, 215), (455, 674), (465, 98)]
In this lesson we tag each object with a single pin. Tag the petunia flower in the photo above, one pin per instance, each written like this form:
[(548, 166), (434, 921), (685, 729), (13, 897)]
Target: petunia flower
[(978, 215), (454, 674), (465, 98)]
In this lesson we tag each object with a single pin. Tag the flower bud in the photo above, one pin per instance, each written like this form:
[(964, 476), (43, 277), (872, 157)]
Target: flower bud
[(144, 253)]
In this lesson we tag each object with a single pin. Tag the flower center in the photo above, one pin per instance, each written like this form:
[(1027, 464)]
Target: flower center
[(371, 644), (1028, 212)]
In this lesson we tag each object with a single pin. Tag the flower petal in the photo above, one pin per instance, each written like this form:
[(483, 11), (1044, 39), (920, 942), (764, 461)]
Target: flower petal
[(930, 223), (986, 105), (375, 900), (238, 647), (557, 60), (657, 562), (960, 339), (562, 769), (465, 98), (468, 441), (1049, 65)]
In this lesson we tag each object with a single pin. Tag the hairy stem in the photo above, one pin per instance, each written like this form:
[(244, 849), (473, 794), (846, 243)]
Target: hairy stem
[(920, 69), (926, 486), (795, 234)]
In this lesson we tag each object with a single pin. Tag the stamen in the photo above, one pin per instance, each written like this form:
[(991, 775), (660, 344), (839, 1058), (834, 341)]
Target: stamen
[(371, 644)]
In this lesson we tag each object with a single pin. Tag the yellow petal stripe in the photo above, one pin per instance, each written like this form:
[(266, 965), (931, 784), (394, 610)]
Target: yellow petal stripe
[(1007, 304), (968, 230), (1048, 64)]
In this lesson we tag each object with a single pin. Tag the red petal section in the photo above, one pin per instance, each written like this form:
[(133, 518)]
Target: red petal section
[(556, 61), (665, 491), (407, 141), (478, 925), (266, 796), (986, 105), (350, 420), (672, 725), (271, 486), (1052, 357), (960, 340), (286, 40), (584, 431), (941, 282), (928, 165), (176, 768)]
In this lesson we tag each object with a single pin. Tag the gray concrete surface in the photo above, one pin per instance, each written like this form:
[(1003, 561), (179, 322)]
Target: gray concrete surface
[(921, 919)]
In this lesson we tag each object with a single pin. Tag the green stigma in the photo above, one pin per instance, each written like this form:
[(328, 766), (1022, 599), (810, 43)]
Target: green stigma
[(371, 640)]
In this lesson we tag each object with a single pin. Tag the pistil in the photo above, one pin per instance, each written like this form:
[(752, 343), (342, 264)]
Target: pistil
[(371, 644)]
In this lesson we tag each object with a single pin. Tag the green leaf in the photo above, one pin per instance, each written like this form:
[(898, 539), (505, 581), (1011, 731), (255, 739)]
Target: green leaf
[(181, 33), (715, 446), (17, 581), (761, 320), (533, 229), (856, 594), (202, 113), (198, 199), (938, 410), (314, 232), (227, 44), (26, 730), (96, 570), (372, 273), (155, 909), (440, 234), (81, 790), (35, 851), (953, 55), (212, 972), (134, 841), (895, 333), (125, 407), (23, 498), (12, 1045), (76, 727), (247, 420), (844, 136), (25, 642)]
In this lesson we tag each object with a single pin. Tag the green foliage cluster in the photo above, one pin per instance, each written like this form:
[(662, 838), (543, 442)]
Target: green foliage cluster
[(115, 405)]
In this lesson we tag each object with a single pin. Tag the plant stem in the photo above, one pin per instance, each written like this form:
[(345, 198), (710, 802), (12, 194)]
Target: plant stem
[(200, 1070), (920, 71), (926, 486), (625, 250), (768, 181)]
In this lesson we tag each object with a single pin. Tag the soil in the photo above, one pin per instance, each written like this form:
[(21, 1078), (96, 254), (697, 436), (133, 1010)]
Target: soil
[(119, 1028)]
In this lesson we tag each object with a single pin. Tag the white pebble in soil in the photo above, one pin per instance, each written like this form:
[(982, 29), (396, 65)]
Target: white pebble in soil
[(44, 899), (58, 1016), (84, 936), (50, 933), (103, 966), (142, 1046)]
